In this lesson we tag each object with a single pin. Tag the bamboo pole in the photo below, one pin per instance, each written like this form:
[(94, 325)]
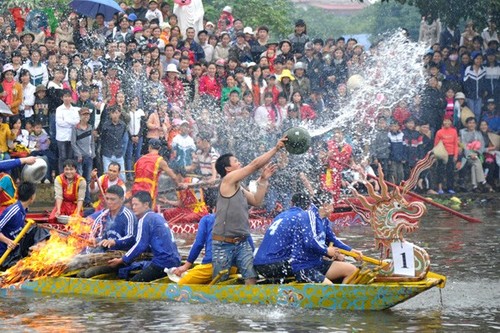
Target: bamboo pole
[(24, 230)]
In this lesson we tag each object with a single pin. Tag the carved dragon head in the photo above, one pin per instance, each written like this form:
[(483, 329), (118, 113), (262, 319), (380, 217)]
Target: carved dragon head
[(390, 215)]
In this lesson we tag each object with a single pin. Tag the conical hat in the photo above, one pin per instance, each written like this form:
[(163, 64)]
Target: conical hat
[(440, 152), (464, 114)]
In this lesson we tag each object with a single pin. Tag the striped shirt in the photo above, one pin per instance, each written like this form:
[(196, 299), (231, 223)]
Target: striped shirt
[(120, 228), (11, 223)]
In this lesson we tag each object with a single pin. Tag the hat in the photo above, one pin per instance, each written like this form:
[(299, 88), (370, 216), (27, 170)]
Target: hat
[(209, 23), (248, 30), (490, 100), (172, 68), (300, 23), (358, 45), (227, 9), (283, 42), (164, 25), (154, 143), (308, 46), (40, 87), (183, 122), (220, 62), (240, 34), (26, 33), (475, 54), (459, 95), (84, 110), (137, 29), (299, 65), (286, 73), (132, 17), (8, 67), (492, 52), (272, 76)]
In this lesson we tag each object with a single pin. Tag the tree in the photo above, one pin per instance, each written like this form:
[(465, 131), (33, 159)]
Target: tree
[(452, 11), (276, 14)]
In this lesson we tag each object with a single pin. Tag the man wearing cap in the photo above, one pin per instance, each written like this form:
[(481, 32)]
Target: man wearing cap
[(299, 38), (492, 116), (83, 144), (147, 171)]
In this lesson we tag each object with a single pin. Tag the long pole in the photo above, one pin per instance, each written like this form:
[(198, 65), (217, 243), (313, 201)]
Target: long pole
[(24, 230), (430, 202)]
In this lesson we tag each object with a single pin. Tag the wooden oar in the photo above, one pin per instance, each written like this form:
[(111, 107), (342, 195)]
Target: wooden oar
[(24, 230), (419, 197), (365, 258)]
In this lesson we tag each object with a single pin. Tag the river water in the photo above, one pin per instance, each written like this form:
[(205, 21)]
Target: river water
[(465, 252)]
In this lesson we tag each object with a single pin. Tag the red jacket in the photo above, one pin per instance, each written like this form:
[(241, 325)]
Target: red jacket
[(449, 137), (210, 86)]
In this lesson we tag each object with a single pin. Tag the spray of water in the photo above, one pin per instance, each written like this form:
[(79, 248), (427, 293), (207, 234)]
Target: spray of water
[(393, 73)]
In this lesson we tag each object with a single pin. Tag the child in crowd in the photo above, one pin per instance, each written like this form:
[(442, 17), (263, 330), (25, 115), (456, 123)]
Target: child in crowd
[(380, 149), (449, 137), (397, 154), (412, 142)]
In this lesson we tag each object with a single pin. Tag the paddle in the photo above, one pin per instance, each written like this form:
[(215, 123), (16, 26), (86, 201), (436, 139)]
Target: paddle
[(365, 258), (415, 195), (24, 230)]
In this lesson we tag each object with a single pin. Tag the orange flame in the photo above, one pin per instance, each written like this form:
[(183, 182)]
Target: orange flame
[(50, 258)]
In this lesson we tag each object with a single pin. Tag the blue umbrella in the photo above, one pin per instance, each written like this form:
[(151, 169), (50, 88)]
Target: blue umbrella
[(91, 8)]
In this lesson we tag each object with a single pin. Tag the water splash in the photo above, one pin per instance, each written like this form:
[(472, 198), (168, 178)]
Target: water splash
[(393, 73)]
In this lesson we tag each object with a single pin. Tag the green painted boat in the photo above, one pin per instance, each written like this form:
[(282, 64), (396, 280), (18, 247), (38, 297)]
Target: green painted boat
[(374, 296)]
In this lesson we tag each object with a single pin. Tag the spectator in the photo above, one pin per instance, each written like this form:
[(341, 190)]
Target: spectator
[(449, 137), (65, 118), (475, 85), (111, 135)]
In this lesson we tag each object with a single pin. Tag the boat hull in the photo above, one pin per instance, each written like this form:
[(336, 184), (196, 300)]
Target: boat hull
[(376, 296)]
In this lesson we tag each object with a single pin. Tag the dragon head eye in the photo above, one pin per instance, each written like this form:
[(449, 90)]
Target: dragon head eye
[(397, 205)]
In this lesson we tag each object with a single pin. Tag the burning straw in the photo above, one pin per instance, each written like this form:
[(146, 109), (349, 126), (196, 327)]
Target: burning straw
[(50, 258)]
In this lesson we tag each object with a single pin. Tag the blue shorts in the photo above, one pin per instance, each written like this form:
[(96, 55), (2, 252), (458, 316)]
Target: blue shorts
[(225, 255), (314, 275)]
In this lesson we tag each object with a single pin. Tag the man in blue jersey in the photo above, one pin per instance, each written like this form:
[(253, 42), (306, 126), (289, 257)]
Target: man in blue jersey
[(272, 259), (12, 221), (311, 244), (113, 229), (16, 162), (154, 234)]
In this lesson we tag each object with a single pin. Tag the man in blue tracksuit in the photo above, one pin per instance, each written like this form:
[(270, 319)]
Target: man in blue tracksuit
[(272, 259), (311, 243), (152, 233), (113, 229)]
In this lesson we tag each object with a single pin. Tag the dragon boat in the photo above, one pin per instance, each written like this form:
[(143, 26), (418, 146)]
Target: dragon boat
[(374, 296), (401, 272)]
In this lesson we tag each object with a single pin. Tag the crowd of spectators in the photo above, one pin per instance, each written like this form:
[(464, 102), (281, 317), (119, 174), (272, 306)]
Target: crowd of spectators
[(97, 91)]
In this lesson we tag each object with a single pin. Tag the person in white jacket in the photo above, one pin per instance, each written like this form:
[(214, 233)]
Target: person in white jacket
[(67, 117)]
